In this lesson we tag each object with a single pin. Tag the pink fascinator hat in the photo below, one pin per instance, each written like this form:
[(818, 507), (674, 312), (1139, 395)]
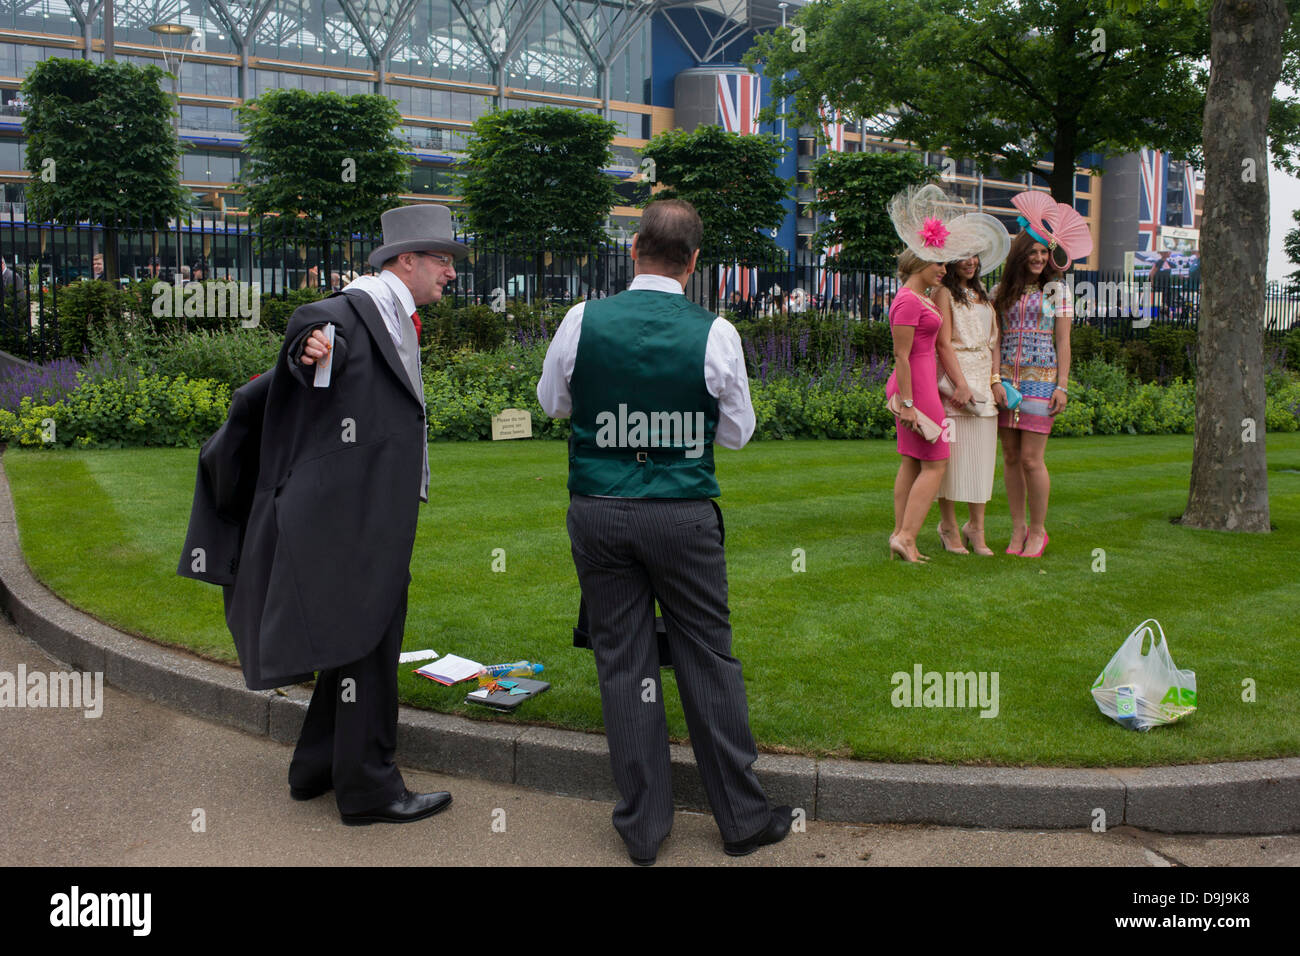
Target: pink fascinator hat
[(1057, 226), (931, 223)]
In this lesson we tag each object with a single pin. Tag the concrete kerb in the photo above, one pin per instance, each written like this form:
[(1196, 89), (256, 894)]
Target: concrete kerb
[(1247, 797)]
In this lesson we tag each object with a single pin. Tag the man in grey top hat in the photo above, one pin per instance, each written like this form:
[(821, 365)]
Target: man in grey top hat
[(316, 576), (416, 261)]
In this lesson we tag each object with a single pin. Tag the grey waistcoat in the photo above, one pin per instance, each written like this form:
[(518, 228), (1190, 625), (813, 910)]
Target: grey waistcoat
[(409, 352)]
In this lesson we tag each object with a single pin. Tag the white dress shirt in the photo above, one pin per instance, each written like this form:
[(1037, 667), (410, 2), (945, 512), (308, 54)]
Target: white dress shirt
[(724, 368), (391, 297)]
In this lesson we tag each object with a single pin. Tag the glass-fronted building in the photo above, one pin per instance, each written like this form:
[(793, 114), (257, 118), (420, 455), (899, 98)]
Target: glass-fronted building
[(648, 65)]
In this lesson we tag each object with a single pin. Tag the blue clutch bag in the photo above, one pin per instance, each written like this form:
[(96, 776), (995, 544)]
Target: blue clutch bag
[(1013, 394)]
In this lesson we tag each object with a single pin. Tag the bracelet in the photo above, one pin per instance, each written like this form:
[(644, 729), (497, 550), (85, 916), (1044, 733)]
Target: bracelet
[(1061, 388)]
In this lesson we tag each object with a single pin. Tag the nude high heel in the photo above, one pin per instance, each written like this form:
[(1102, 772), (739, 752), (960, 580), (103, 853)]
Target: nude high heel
[(944, 541), (969, 540), (896, 550)]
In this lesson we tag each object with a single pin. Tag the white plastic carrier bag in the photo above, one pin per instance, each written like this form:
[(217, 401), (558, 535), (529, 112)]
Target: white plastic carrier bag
[(1141, 691)]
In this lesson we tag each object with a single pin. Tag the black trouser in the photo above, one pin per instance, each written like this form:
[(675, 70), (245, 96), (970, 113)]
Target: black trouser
[(350, 734), (628, 552)]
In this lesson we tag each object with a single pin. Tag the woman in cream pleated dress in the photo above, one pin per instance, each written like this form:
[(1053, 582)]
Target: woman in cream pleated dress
[(968, 348)]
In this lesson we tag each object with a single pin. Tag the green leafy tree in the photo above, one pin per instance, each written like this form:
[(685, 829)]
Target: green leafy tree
[(101, 146), (322, 165), (534, 177), (1000, 83), (729, 179), (855, 188), (1291, 245)]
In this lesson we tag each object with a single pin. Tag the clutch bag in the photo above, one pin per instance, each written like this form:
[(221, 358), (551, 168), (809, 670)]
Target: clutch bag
[(947, 389), (1013, 394), (929, 430)]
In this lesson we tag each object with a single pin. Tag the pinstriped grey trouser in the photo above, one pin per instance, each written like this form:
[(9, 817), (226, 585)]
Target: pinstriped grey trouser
[(629, 551)]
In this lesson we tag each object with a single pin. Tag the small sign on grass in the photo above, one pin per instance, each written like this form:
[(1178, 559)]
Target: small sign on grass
[(512, 423)]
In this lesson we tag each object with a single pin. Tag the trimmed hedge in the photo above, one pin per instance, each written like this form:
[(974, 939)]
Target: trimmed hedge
[(149, 410), (464, 389)]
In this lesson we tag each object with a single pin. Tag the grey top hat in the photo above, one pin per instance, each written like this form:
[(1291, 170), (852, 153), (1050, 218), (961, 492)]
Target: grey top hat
[(420, 228)]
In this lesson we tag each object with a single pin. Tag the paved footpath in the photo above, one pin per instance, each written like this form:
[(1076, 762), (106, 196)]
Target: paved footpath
[(123, 789)]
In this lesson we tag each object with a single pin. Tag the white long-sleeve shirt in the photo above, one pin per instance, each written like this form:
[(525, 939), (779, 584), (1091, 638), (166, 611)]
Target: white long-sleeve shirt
[(391, 297), (724, 368)]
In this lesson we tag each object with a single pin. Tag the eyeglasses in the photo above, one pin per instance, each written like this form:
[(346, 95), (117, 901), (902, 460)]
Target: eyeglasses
[(441, 259)]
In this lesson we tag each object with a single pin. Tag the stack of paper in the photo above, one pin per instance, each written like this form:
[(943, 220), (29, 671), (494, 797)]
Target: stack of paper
[(450, 670)]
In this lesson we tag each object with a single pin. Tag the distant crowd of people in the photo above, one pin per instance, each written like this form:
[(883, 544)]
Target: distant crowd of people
[(777, 302)]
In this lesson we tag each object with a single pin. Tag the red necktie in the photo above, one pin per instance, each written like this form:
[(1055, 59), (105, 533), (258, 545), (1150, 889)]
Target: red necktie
[(415, 317)]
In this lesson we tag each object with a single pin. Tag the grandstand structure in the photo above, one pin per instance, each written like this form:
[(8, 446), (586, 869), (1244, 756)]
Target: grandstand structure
[(647, 65)]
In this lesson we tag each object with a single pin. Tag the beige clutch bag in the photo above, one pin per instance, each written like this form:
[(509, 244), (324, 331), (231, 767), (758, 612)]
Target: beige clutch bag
[(983, 408), (929, 430)]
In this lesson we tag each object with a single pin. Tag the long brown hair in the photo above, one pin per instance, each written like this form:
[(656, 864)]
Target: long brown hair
[(959, 290), (1016, 275)]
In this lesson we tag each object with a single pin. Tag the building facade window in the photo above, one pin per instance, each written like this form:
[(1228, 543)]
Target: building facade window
[(217, 118), (211, 166), (310, 31)]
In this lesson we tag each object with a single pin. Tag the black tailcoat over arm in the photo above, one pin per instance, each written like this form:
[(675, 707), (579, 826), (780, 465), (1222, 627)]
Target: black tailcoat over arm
[(323, 557)]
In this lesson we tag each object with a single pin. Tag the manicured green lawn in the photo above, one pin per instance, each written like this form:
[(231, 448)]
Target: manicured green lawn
[(104, 529)]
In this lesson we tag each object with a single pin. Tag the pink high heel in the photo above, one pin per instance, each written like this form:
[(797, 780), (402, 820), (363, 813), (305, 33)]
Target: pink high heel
[(1022, 547), (1046, 538)]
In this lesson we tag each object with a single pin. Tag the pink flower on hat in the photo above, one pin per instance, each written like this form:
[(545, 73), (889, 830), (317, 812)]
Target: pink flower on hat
[(934, 233)]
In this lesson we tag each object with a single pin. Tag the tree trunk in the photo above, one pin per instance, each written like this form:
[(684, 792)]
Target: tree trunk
[(1061, 179), (110, 252), (1229, 487)]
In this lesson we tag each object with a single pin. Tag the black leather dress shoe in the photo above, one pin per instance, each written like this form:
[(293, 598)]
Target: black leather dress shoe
[(642, 860), (407, 808), (309, 793), (776, 830)]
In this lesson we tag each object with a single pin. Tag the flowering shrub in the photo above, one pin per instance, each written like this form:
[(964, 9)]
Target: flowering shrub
[(153, 410), (41, 383)]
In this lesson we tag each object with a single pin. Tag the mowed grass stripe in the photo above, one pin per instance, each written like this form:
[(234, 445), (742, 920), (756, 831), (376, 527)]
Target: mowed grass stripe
[(820, 646)]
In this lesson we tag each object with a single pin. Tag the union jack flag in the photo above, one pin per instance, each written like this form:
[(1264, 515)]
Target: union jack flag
[(832, 128), (832, 123), (737, 278), (828, 281), (1151, 199), (739, 100)]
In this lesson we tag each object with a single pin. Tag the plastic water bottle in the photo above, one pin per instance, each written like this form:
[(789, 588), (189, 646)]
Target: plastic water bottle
[(517, 669)]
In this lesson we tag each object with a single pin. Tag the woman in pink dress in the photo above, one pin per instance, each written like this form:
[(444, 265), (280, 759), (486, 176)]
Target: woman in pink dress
[(914, 322)]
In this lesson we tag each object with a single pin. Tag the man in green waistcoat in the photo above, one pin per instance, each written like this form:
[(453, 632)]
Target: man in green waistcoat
[(651, 381)]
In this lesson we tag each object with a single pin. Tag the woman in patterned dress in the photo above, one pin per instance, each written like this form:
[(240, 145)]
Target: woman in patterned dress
[(1034, 315)]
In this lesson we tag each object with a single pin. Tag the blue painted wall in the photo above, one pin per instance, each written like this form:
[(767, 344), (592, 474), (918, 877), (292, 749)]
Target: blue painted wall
[(669, 57)]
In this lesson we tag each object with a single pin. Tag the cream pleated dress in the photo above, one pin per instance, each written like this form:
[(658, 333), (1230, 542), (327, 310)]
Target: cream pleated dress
[(973, 452)]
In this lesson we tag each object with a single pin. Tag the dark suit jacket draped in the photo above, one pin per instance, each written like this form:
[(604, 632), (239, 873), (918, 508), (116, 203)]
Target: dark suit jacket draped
[(306, 500)]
